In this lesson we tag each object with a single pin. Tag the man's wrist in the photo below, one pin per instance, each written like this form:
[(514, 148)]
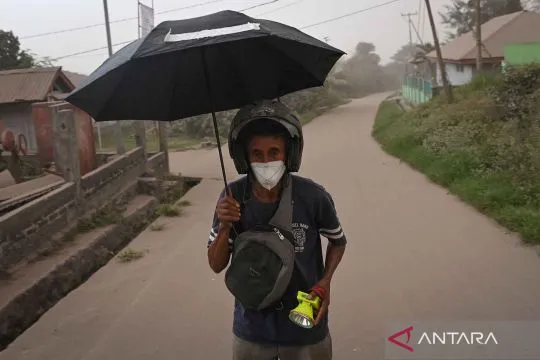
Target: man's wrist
[(325, 281), (224, 226)]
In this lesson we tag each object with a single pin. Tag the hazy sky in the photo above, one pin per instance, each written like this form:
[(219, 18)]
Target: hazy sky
[(384, 26)]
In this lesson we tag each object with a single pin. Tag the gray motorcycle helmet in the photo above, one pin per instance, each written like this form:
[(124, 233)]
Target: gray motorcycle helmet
[(264, 111)]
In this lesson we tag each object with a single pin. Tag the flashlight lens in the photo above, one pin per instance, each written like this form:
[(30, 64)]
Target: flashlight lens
[(300, 320)]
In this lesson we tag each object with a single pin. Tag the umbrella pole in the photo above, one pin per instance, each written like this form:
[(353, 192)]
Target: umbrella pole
[(214, 120)]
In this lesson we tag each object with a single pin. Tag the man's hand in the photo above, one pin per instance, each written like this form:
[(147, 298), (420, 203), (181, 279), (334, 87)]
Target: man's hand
[(228, 211), (322, 290)]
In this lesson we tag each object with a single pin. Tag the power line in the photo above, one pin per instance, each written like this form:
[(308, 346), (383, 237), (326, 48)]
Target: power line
[(279, 8), (115, 21), (186, 7), (90, 50), (256, 6), (134, 18), (127, 42), (304, 27), (350, 14)]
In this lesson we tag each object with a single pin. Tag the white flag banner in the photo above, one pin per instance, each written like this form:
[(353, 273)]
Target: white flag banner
[(146, 19)]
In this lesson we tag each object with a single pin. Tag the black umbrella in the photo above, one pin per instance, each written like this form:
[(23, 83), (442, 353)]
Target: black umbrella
[(202, 65)]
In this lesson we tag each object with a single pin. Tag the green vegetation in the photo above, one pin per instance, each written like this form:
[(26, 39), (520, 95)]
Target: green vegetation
[(169, 210), (485, 148), (184, 203), (129, 255), (109, 215)]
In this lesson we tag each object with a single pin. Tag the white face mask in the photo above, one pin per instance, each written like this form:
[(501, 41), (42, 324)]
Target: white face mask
[(268, 174)]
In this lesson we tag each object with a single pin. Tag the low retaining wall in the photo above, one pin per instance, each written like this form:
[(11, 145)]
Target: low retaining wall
[(30, 303), (157, 163), (29, 228), (106, 182), (22, 230)]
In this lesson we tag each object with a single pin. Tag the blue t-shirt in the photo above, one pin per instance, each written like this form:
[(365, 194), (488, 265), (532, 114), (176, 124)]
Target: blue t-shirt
[(314, 215)]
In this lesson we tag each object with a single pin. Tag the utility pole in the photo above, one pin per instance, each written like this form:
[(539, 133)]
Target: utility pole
[(409, 21), (478, 33), (446, 85), (120, 149)]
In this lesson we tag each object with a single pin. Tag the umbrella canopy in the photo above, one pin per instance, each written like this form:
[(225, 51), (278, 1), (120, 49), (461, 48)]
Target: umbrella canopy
[(201, 65)]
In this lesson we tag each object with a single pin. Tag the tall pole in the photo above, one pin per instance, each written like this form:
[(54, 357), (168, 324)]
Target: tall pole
[(107, 27), (120, 149), (409, 21), (138, 19), (446, 85), (478, 33)]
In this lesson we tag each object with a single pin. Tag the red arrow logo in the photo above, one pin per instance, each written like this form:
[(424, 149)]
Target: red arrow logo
[(393, 338)]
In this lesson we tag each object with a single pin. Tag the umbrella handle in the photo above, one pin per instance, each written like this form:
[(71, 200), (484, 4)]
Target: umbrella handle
[(214, 120)]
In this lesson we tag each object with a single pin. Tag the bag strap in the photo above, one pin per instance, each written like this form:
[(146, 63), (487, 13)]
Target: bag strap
[(283, 219), (283, 216)]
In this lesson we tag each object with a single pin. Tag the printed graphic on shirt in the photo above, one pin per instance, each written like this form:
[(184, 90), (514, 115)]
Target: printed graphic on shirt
[(299, 231)]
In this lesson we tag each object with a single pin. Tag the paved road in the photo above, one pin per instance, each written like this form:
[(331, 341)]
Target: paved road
[(414, 253)]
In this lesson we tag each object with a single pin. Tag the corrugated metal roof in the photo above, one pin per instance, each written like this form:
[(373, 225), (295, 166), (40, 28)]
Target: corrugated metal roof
[(518, 27), (26, 84), (75, 78)]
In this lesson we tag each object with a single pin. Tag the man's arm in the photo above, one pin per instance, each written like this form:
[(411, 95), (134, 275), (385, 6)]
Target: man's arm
[(334, 253), (219, 251), (330, 228), (220, 241)]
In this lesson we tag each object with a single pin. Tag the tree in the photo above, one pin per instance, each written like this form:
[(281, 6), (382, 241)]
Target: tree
[(11, 55), (397, 67), (531, 5), (43, 62), (362, 73), (459, 15), (403, 55)]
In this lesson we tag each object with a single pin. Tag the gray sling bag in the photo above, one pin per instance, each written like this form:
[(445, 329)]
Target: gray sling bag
[(263, 258)]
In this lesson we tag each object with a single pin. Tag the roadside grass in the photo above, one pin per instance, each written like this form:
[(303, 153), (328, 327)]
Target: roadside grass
[(129, 255), (152, 143), (469, 171)]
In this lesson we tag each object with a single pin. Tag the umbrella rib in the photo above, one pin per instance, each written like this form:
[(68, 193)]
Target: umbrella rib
[(116, 86)]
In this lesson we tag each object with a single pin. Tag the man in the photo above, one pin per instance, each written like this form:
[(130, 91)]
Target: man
[(266, 142)]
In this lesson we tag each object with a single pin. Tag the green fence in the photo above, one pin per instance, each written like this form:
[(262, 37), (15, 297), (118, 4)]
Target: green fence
[(416, 90)]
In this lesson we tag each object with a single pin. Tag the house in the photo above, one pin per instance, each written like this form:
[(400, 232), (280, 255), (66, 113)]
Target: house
[(459, 55), (76, 78), (21, 88)]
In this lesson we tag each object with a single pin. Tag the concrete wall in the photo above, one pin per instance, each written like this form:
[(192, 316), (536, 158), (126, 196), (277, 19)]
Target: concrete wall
[(23, 230), (31, 226), (463, 74), (157, 163), (107, 181), (457, 74)]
